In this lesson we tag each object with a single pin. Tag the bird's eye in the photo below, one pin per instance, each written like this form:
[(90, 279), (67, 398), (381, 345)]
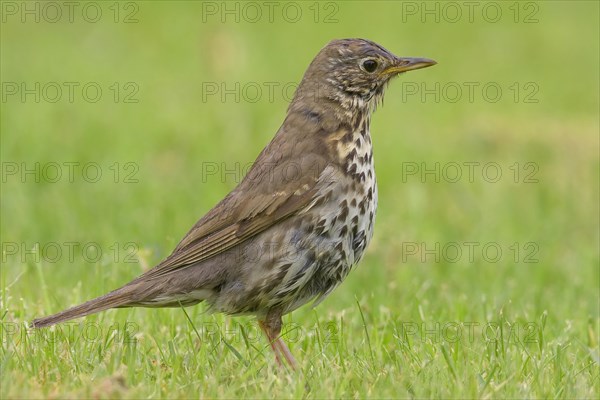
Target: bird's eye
[(369, 65)]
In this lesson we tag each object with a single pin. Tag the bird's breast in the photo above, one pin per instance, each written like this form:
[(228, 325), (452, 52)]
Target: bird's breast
[(348, 202), (360, 173)]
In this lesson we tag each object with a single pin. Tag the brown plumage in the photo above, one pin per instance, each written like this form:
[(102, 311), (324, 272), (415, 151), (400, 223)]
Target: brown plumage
[(290, 232)]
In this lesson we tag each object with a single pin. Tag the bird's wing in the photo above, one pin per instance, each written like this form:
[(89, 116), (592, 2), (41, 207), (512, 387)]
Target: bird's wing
[(282, 182)]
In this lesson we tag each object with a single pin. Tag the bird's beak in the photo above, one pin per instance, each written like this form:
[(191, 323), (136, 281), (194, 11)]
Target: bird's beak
[(408, 64)]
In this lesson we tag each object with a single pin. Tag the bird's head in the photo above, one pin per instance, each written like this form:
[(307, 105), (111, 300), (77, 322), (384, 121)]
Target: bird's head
[(353, 73)]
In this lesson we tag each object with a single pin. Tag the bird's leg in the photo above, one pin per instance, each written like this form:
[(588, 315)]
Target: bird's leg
[(271, 340), (287, 353), (271, 326)]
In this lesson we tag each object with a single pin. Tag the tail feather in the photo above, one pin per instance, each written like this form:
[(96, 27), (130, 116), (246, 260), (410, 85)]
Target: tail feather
[(117, 298)]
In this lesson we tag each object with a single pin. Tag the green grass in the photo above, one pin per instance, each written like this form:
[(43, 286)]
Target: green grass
[(403, 324)]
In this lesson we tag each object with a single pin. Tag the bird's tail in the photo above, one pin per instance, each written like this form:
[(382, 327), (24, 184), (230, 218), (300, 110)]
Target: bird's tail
[(121, 297)]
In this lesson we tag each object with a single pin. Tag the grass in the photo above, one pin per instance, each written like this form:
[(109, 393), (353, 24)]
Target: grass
[(413, 320)]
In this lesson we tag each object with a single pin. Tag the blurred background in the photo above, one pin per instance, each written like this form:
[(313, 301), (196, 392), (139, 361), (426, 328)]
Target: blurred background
[(123, 123)]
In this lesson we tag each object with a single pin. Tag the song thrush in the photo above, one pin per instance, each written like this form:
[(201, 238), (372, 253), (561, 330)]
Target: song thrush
[(302, 217)]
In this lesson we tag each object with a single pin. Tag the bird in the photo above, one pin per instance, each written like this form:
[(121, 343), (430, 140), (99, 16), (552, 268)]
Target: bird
[(293, 228)]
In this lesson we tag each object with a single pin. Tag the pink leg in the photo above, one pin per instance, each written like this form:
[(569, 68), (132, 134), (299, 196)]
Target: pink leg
[(271, 326), (287, 353), (272, 343)]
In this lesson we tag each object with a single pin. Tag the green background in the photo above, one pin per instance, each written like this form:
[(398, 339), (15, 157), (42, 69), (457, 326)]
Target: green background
[(404, 323)]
